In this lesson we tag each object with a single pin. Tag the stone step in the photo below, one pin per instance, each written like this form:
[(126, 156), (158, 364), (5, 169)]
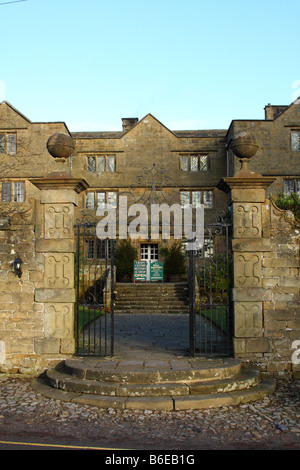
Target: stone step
[(150, 301), (69, 383), (152, 371), (132, 311), (149, 308), (165, 403)]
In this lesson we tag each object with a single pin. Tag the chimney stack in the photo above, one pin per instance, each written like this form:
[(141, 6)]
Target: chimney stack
[(128, 123)]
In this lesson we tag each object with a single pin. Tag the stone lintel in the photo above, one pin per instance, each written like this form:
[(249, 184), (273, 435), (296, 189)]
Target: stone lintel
[(251, 244), (55, 246), (55, 295), (252, 294)]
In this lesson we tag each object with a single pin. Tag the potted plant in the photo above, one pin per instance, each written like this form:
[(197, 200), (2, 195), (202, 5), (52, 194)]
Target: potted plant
[(125, 255), (174, 262)]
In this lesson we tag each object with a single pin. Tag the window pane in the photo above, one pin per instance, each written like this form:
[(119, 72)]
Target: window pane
[(89, 201), (207, 199), (184, 163), (184, 198), (194, 163), (196, 199), (6, 192), (91, 164), (90, 248), (203, 163), (288, 186), (110, 161), (101, 249), (112, 199), (11, 144), (297, 184), (2, 143), (100, 200), (296, 141), (19, 192), (101, 164)]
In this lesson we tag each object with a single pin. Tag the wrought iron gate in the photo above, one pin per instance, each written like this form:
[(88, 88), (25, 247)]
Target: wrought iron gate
[(94, 270), (209, 287)]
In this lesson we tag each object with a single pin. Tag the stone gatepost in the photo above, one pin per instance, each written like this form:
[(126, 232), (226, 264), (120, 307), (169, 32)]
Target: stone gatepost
[(55, 241), (247, 191)]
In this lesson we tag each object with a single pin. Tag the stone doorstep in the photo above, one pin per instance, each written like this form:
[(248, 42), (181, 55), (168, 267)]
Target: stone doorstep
[(68, 383), (266, 387), (123, 372)]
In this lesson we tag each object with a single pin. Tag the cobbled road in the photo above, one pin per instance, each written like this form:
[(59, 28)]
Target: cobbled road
[(272, 423)]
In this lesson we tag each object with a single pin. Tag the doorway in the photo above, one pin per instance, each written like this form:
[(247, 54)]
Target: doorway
[(149, 253)]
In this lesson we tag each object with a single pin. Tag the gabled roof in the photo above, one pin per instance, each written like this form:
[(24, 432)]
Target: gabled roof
[(15, 110), (179, 133), (149, 115)]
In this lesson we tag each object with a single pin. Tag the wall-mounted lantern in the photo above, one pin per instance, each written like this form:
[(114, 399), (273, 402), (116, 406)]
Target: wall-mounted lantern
[(17, 267)]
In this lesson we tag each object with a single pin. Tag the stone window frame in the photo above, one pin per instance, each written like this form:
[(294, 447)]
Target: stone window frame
[(186, 162), (193, 194), (93, 205), (15, 195), (295, 183), (96, 248), (7, 144), (207, 251), (295, 132), (101, 163)]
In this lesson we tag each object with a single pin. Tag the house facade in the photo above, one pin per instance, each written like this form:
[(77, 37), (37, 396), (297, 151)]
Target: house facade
[(112, 162)]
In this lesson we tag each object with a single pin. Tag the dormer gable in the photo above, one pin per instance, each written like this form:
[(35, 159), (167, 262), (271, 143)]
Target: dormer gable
[(11, 118), (148, 125)]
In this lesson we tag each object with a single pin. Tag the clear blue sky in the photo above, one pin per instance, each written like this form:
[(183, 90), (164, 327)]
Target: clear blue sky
[(193, 64)]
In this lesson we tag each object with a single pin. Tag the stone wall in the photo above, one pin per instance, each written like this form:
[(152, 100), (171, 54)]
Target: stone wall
[(266, 290), (37, 309), (21, 316)]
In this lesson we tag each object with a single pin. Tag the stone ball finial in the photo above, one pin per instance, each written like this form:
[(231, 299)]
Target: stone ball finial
[(60, 145), (244, 145)]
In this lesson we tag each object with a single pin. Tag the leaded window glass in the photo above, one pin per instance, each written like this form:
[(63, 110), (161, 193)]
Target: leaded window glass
[(91, 164), (110, 164), (203, 163), (184, 199), (100, 164), (89, 200), (2, 143), (184, 163), (194, 163), (112, 199), (207, 199), (196, 199), (19, 192), (6, 192), (11, 144), (100, 200), (288, 186), (296, 141)]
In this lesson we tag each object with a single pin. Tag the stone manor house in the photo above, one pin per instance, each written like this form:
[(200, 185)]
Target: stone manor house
[(111, 162), (36, 223)]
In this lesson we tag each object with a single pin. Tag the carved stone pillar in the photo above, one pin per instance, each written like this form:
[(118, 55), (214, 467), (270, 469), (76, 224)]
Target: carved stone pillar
[(55, 241), (250, 239)]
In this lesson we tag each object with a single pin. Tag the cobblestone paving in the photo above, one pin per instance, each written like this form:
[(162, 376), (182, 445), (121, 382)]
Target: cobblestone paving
[(272, 423)]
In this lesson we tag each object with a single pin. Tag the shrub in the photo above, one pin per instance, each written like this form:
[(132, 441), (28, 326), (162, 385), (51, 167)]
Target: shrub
[(289, 202), (125, 255), (174, 259)]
